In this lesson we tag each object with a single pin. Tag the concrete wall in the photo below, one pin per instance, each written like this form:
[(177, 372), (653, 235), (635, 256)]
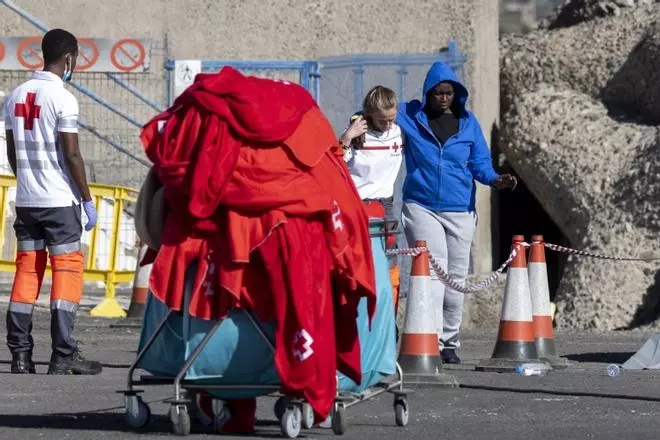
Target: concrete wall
[(297, 29), (264, 28), (484, 80)]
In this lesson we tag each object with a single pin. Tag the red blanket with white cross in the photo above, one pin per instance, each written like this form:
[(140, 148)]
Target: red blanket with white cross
[(252, 172)]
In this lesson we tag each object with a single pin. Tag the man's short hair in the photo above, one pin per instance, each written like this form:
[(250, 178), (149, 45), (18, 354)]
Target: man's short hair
[(56, 43)]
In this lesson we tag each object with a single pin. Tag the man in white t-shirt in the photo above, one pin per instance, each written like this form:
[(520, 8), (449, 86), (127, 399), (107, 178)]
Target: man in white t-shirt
[(42, 147)]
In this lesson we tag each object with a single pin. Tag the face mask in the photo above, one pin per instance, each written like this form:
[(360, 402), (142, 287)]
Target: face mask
[(68, 72)]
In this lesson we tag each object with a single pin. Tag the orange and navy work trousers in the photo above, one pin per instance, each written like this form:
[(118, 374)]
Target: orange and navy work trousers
[(40, 232)]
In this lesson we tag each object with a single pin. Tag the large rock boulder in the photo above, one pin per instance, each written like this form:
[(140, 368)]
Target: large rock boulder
[(580, 164), (583, 146), (579, 11), (583, 58), (633, 90)]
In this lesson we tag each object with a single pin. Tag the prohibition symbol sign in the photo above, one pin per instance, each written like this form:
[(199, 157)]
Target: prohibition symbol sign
[(88, 54), (127, 54), (28, 53)]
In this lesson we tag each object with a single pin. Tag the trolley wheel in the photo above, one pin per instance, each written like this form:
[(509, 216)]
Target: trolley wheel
[(401, 411), (180, 419), (339, 422), (137, 413), (291, 421), (307, 416), (281, 405)]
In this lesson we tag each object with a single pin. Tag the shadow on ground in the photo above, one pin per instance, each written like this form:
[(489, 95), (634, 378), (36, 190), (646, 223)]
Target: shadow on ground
[(103, 364), (610, 357), (109, 422)]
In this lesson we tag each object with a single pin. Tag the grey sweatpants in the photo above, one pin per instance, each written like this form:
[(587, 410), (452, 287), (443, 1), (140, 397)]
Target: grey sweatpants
[(448, 236)]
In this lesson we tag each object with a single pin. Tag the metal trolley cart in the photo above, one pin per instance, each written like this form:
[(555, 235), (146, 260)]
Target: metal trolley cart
[(168, 351)]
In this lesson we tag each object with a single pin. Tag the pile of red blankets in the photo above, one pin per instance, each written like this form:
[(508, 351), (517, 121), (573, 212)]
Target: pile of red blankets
[(257, 191)]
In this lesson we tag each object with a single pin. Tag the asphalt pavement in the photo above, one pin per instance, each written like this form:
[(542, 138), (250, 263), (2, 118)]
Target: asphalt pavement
[(581, 402)]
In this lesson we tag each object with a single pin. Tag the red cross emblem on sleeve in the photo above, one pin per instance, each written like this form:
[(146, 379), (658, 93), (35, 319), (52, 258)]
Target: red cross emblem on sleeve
[(28, 111), (302, 345)]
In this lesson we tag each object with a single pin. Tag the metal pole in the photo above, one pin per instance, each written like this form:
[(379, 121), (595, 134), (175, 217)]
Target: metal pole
[(170, 83), (114, 144), (358, 87), (316, 74), (402, 72), (107, 105), (36, 22), (135, 92), (305, 77)]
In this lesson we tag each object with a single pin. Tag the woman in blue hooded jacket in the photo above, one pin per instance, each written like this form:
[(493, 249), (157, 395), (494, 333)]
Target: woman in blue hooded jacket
[(445, 153)]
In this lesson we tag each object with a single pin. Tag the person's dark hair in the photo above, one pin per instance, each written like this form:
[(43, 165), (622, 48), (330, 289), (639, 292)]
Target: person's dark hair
[(56, 43)]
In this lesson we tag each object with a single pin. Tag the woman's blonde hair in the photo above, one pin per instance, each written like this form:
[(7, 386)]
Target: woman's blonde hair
[(379, 98)]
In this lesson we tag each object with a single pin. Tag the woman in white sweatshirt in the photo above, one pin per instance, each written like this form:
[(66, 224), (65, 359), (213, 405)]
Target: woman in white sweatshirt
[(373, 148), (373, 153)]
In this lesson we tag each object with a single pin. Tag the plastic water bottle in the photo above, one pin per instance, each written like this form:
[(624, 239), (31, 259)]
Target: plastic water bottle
[(613, 370), (532, 369)]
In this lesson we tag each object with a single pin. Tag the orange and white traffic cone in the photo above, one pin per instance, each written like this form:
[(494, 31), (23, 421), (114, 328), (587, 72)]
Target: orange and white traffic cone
[(515, 339), (140, 293), (541, 307), (419, 356), (140, 286)]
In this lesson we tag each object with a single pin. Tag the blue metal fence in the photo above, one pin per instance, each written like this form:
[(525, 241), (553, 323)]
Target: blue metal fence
[(114, 108), (344, 80), (304, 73), (339, 83)]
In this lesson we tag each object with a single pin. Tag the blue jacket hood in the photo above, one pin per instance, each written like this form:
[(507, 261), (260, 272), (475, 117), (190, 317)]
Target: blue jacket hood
[(441, 177), (441, 72)]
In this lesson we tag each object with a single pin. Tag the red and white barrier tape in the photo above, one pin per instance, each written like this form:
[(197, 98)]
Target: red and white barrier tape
[(471, 288), (557, 248), (448, 280), (407, 251)]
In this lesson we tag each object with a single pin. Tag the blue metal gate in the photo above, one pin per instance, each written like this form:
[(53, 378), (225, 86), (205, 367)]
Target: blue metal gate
[(113, 108), (338, 83), (344, 80)]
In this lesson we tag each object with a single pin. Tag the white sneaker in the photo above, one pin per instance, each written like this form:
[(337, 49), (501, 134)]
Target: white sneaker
[(327, 423)]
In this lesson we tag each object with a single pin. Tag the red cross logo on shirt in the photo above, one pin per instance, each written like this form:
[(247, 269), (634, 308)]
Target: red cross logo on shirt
[(396, 147), (29, 111)]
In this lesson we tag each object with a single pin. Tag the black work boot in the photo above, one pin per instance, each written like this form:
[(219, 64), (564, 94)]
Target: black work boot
[(21, 363), (74, 364)]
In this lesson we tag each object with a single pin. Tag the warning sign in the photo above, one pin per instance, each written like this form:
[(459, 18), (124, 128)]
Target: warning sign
[(88, 54), (127, 55), (28, 53), (184, 74), (94, 54)]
